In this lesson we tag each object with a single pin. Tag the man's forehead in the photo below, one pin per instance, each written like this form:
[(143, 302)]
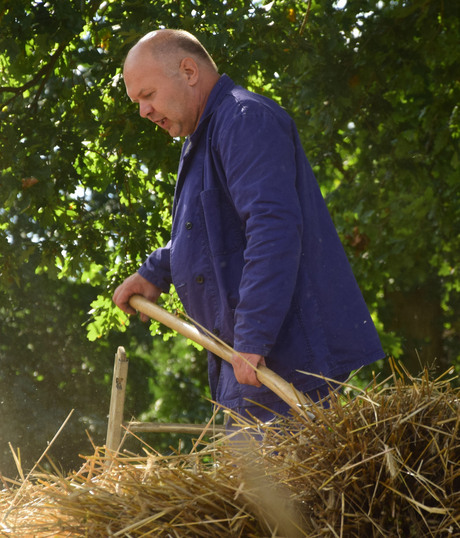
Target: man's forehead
[(141, 59), (138, 54)]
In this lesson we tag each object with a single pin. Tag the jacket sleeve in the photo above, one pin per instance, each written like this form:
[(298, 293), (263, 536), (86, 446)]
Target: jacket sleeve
[(156, 268), (257, 152)]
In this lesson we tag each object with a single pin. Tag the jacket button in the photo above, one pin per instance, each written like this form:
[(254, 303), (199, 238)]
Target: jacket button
[(199, 279), (189, 225), (216, 332)]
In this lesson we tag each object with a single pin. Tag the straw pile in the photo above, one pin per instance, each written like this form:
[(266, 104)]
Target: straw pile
[(385, 462)]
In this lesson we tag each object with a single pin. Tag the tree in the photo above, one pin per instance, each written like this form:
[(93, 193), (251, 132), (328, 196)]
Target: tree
[(87, 186)]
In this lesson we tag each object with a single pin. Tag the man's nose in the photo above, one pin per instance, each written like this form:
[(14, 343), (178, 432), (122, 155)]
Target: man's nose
[(145, 109)]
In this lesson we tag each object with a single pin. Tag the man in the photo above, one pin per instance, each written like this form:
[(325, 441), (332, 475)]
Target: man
[(254, 255)]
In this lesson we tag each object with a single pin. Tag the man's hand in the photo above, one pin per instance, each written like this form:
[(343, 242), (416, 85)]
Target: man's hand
[(135, 285), (243, 371)]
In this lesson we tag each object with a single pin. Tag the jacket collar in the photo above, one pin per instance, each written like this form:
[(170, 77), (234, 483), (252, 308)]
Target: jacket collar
[(223, 86)]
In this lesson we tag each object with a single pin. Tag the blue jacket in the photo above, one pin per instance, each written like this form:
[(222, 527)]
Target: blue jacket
[(254, 255)]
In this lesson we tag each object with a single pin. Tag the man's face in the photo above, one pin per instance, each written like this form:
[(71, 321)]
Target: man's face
[(164, 93)]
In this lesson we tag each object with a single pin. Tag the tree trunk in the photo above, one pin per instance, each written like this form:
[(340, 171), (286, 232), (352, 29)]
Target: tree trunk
[(416, 315)]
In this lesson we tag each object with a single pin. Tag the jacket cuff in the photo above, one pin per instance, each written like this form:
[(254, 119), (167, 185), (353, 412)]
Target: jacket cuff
[(156, 271), (241, 347)]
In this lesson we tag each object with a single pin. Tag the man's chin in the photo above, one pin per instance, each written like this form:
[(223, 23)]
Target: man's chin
[(176, 133), (172, 131)]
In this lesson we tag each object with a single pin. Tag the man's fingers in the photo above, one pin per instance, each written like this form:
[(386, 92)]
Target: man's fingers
[(135, 285), (123, 304), (144, 317), (244, 372), (127, 308)]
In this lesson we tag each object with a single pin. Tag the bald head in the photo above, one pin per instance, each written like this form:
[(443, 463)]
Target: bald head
[(170, 75), (170, 46)]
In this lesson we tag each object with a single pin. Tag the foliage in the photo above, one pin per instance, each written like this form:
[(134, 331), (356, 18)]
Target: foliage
[(87, 186)]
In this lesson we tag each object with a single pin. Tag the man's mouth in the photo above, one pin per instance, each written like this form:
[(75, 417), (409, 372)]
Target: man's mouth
[(161, 123)]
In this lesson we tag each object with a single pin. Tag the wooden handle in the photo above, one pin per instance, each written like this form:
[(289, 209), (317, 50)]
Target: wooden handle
[(286, 391)]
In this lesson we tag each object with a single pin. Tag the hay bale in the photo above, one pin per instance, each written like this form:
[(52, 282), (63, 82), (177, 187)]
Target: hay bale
[(385, 462)]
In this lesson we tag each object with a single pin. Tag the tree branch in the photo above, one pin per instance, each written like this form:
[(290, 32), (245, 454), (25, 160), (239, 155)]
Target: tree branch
[(44, 73), (305, 19)]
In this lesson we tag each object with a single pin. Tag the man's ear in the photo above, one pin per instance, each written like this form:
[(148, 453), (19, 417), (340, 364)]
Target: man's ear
[(189, 68)]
